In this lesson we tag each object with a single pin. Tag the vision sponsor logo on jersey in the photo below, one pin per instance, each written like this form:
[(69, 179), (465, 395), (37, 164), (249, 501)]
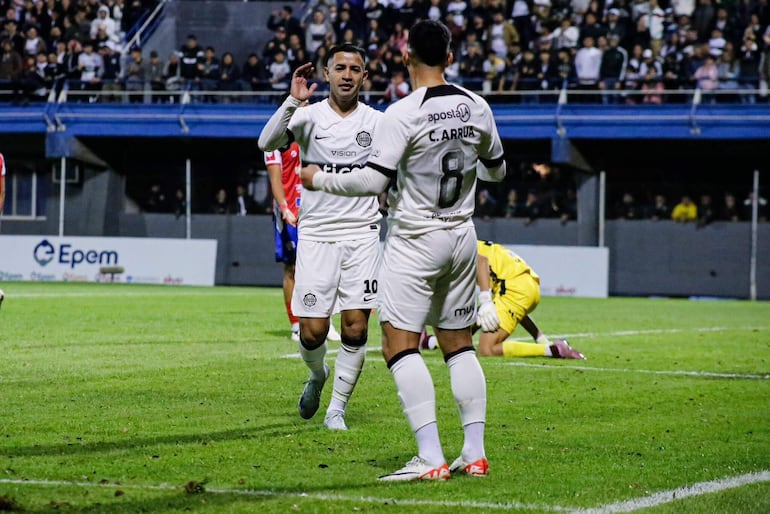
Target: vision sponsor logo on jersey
[(343, 153), (461, 112), (449, 134)]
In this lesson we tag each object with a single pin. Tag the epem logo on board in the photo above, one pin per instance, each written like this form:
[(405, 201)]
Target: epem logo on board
[(45, 252)]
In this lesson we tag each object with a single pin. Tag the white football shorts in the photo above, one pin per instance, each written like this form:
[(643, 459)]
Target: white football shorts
[(335, 276), (429, 280)]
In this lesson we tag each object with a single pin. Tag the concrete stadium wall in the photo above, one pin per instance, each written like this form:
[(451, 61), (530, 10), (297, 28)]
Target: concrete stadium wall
[(646, 257)]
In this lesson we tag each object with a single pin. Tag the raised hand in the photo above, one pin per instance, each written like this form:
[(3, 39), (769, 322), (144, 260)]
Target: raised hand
[(299, 87)]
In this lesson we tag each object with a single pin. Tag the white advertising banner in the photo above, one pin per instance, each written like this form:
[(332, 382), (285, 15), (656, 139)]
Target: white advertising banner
[(91, 259), (568, 270)]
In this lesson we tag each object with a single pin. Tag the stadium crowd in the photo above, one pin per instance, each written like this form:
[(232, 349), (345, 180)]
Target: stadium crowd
[(637, 47)]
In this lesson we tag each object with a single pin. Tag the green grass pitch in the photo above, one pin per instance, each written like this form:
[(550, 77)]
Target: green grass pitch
[(127, 398)]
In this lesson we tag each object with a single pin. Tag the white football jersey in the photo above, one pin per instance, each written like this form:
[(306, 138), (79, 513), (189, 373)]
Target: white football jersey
[(336, 145), (431, 141)]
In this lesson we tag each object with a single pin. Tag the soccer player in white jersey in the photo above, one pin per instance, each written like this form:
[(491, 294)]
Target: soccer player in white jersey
[(434, 142), (339, 245)]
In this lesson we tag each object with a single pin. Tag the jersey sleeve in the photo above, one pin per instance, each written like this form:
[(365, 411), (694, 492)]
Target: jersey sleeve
[(273, 157), (391, 137), (490, 148)]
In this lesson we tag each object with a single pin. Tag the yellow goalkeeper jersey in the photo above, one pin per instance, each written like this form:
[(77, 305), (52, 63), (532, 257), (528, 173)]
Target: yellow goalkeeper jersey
[(504, 265)]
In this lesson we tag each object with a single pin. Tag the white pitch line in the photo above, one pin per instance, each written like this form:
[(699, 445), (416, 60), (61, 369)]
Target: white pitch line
[(707, 374), (312, 496), (159, 292), (594, 335), (662, 497)]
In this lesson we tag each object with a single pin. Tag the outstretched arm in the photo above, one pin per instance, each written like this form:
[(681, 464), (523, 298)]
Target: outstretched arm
[(364, 182)]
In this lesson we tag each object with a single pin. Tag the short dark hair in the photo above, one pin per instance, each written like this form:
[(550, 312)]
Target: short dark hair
[(346, 47), (429, 42)]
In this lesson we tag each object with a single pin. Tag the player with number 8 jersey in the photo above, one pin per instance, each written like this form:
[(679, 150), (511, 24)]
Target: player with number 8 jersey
[(431, 146)]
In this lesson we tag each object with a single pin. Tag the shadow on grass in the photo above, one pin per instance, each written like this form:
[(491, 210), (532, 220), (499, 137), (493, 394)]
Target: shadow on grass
[(132, 444)]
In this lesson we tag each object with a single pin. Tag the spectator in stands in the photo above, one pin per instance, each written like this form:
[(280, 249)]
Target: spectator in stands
[(111, 74), (284, 18), (279, 43), (707, 77), (486, 206), (71, 68), (155, 77), (32, 81), (628, 209), (762, 207), (279, 72), (494, 72), (512, 207), (548, 73), (532, 207), (172, 75), (104, 22), (244, 204), (229, 76), (131, 15), (615, 27), (660, 210), (501, 34), (179, 203), (209, 73), (527, 77), (344, 23), (727, 71), (136, 70), (317, 32), (54, 74), (685, 210), (706, 211), (155, 201), (254, 74), (566, 67), (612, 71), (588, 60), (11, 32), (397, 89), (91, 69), (703, 18), (33, 43), (11, 68), (748, 65), (191, 57), (221, 205), (652, 86), (729, 210)]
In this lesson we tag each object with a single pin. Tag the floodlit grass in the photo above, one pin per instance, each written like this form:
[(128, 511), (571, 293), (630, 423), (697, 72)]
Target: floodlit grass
[(128, 398)]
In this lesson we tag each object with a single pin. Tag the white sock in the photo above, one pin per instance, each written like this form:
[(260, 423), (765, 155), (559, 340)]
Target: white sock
[(470, 391), (314, 359), (429, 445), (418, 399), (347, 369)]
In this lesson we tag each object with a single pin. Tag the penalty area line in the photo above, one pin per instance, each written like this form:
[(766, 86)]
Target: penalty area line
[(311, 496), (699, 489)]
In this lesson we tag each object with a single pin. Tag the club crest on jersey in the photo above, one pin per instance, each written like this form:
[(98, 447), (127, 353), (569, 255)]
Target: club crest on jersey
[(364, 139), (309, 300)]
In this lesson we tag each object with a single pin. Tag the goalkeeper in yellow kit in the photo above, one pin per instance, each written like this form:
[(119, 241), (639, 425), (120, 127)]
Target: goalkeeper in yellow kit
[(515, 293)]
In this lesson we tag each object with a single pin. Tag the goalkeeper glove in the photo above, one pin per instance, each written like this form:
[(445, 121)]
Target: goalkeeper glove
[(487, 318)]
